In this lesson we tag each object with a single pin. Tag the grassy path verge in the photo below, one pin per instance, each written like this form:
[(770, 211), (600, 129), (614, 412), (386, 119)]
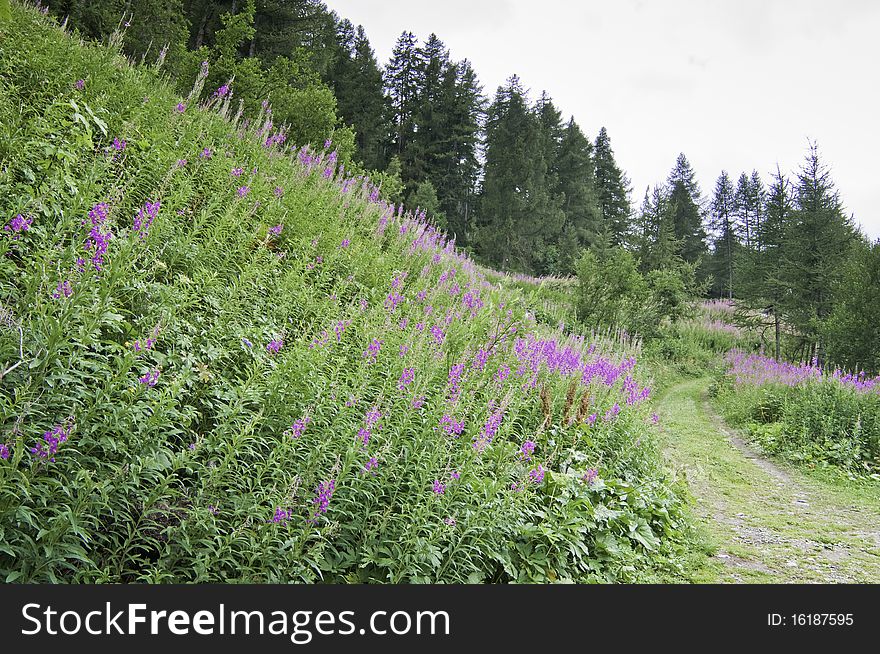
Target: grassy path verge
[(766, 522)]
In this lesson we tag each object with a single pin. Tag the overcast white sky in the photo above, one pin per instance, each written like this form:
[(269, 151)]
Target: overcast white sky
[(735, 85)]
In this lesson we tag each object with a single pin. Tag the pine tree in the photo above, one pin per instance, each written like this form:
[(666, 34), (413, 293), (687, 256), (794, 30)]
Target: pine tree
[(401, 83), (722, 223), (458, 166), (853, 328), (684, 207), (519, 214), (356, 81), (762, 288), (758, 198), (654, 239), (817, 239), (613, 190), (576, 184)]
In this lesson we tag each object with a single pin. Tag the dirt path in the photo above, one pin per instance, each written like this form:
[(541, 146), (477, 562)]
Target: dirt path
[(766, 522)]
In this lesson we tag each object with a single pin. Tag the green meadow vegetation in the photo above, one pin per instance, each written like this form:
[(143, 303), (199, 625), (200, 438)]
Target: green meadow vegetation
[(242, 341)]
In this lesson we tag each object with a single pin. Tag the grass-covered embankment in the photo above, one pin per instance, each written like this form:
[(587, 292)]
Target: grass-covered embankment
[(225, 360)]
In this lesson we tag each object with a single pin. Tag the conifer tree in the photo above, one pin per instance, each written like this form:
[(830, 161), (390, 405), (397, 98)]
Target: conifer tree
[(685, 210), (613, 190), (723, 225), (817, 239), (520, 215), (576, 184), (401, 83)]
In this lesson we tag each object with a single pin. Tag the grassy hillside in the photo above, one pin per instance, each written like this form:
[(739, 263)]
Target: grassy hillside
[(223, 359)]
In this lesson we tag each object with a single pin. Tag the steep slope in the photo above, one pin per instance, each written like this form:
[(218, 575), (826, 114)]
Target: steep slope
[(223, 359)]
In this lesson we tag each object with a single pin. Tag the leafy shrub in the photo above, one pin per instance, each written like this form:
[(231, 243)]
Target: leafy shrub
[(818, 419)]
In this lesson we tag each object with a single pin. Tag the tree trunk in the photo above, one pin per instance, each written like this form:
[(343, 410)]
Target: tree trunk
[(200, 38), (776, 324)]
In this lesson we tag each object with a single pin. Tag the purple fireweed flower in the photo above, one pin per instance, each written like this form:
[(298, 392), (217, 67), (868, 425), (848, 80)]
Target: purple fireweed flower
[(345, 243), (420, 326), (591, 419), (406, 378), (364, 435), (80, 84), (655, 418), (372, 351), (150, 379), (213, 509), (451, 426), (372, 417), (180, 107), (453, 385), (144, 218), (392, 301), (403, 324), (206, 153), (222, 91), (243, 191), (438, 488), (148, 343), (181, 163), (328, 143), (63, 289), (237, 172), (274, 347), (281, 516), (403, 350), (502, 373), (340, 328), (278, 191), (422, 295), (537, 475), (323, 494), (480, 359), (489, 430), (612, 413), (449, 521), (118, 144), (97, 240), (418, 402), (371, 465), (590, 476), (527, 449), (246, 343), (437, 334), (320, 341), (18, 225), (4, 451), (455, 475), (52, 440), (276, 231), (297, 428)]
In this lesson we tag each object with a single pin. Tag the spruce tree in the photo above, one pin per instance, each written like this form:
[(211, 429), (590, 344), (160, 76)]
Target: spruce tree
[(519, 215), (725, 241), (402, 85), (684, 207), (458, 166), (818, 238), (613, 190), (576, 184)]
